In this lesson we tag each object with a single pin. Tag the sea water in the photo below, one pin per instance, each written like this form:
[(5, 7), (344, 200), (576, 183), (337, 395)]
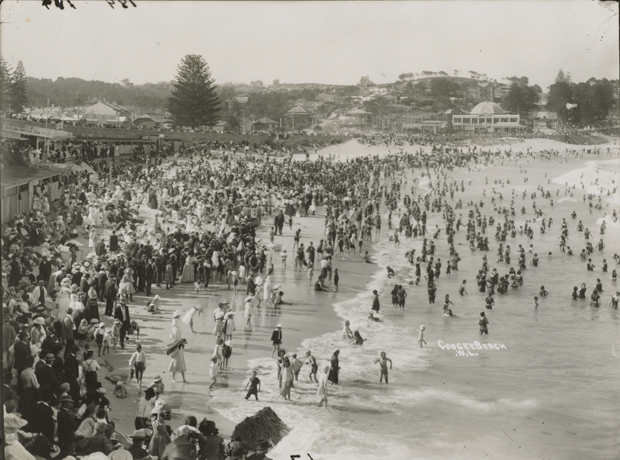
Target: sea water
[(543, 383)]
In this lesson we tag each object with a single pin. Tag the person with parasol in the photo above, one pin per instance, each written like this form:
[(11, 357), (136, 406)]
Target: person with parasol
[(177, 353)]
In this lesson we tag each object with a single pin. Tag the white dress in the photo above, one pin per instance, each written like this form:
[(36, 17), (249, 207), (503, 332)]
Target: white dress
[(63, 301), (175, 333)]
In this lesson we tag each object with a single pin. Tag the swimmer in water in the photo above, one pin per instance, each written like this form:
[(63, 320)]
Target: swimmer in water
[(383, 360), (421, 341), (543, 292), (535, 302), (483, 322), (462, 289)]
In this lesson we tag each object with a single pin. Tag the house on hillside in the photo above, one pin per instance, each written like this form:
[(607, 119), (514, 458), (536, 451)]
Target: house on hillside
[(297, 116), (365, 81), (488, 117), (221, 126), (484, 91), (103, 110), (264, 124), (144, 121)]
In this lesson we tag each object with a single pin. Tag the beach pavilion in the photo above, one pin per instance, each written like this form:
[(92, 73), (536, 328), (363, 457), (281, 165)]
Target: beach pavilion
[(488, 117)]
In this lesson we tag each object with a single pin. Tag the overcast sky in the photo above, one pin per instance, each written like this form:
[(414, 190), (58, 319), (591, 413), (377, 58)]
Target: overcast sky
[(322, 42)]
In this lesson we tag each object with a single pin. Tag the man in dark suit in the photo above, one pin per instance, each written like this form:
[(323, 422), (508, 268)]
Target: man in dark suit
[(102, 279), (44, 421), (67, 424), (114, 242), (100, 248), (72, 372), (109, 294), (122, 314), (45, 269), (22, 350), (149, 275), (46, 375)]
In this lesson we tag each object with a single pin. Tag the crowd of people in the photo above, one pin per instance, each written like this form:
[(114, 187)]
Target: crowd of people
[(194, 220)]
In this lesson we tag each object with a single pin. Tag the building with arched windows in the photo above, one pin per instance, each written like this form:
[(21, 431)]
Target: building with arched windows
[(487, 117)]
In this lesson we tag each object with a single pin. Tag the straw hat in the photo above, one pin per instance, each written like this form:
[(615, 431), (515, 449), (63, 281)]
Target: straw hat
[(120, 455), (177, 313), (422, 328), (156, 297), (140, 434), (39, 320)]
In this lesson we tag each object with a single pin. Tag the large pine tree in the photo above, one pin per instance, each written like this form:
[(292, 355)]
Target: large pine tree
[(5, 85), (194, 101), (19, 89)]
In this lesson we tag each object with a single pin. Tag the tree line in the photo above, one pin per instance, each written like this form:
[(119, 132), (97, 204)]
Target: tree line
[(13, 87)]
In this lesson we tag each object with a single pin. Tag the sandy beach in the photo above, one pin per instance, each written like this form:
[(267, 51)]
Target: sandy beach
[(429, 387)]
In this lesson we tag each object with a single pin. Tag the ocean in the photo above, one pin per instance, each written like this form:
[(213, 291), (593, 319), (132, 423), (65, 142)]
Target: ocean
[(544, 384)]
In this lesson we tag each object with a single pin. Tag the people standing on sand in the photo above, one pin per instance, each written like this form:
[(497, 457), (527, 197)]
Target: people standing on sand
[(336, 279), (383, 360), (334, 369), (276, 340), (137, 364), (287, 378), (177, 353), (175, 326), (248, 310)]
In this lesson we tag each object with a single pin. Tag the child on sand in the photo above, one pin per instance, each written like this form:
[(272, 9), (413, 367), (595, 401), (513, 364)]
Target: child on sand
[(421, 340), (197, 288), (383, 360), (310, 273), (283, 257)]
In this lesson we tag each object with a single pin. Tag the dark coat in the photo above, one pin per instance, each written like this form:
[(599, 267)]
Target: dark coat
[(118, 314), (22, 351)]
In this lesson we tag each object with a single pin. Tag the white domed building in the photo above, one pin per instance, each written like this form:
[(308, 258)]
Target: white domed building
[(487, 117)]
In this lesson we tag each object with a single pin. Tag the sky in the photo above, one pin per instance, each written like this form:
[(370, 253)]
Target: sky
[(313, 42)]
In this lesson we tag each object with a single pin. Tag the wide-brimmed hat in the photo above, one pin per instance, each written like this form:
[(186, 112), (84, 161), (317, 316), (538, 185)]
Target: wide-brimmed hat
[(157, 379), (13, 422), (422, 327), (65, 398), (101, 390), (140, 434), (39, 320), (49, 357), (94, 321), (177, 313), (121, 454), (156, 297), (279, 326)]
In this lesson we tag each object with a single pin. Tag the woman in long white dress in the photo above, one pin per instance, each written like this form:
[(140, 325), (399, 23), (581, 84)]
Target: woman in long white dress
[(178, 363), (175, 327), (267, 289), (188, 270), (63, 300), (92, 239)]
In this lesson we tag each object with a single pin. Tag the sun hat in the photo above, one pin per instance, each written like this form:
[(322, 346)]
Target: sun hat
[(279, 326), (102, 390), (140, 434), (13, 422), (121, 454), (49, 357), (422, 327), (94, 321), (39, 320), (177, 313), (66, 398), (156, 297)]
